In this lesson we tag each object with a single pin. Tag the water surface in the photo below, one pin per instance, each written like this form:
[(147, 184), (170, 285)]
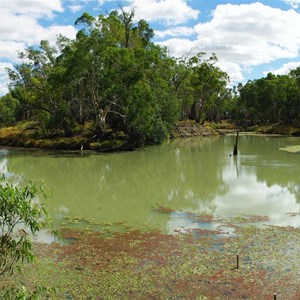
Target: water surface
[(187, 175)]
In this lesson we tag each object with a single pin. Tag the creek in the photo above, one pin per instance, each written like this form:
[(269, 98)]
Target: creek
[(189, 175)]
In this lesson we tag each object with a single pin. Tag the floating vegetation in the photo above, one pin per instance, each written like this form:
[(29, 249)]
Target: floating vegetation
[(91, 221), (162, 209), (202, 217), (293, 214), (255, 263), (247, 219), (95, 225), (291, 149)]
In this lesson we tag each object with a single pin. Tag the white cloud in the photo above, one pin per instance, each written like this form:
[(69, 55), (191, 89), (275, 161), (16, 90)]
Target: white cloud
[(233, 69), (4, 77), (245, 35), (285, 69), (247, 196), (168, 11), (25, 29), (179, 47), (52, 32), (36, 8), (293, 3), (251, 34), (77, 5), (10, 49), (20, 27), (75, 8), (175, 32), (14, 41)]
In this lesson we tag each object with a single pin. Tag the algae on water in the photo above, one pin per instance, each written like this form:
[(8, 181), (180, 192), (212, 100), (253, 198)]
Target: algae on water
[(291, 149)]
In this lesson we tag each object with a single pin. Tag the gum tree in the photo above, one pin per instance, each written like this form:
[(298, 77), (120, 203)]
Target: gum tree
[(208, 82)]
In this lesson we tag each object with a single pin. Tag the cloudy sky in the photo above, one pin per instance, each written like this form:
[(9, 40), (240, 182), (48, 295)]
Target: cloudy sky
[(250, 38)]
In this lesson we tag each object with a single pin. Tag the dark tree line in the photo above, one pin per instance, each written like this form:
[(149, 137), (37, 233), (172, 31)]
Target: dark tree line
[(272, 99)]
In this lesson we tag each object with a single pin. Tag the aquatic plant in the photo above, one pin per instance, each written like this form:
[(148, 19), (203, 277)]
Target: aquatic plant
[(199, 264)]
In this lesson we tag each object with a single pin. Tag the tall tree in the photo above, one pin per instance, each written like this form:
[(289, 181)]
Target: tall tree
[(208, 81)]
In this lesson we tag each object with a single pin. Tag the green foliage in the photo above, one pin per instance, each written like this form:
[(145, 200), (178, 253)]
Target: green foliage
[(145, 116), (114, 76), (296, 75), (20, 217), (61, 119), (270, 99), (108, 144), (208, 85), (8, 110)]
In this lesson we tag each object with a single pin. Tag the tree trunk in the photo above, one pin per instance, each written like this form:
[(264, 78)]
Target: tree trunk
[(196, 111)]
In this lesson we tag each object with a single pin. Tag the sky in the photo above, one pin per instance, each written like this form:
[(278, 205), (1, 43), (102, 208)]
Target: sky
[(250, 38)]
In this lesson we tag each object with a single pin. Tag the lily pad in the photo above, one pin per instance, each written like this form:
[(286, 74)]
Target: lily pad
[(291, 149)]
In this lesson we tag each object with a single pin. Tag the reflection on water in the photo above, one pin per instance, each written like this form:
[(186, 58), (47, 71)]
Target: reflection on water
[(192, 175)]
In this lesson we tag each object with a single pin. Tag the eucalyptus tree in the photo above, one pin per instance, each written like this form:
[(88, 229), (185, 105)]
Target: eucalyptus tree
[(9, 107), (153, 106), (33, 84), (208, 82), (102, 64), (115, 77), (295, 73), (120, 78), (112, 74), (181, 83), (274, 98), (289, 104)]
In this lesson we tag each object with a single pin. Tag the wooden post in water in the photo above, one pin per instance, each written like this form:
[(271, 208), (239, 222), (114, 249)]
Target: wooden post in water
[(235, 147)]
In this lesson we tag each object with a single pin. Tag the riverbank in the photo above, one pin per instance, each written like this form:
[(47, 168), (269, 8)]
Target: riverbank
[(278, 128), (226, 127), (236, 261), (29, 135)]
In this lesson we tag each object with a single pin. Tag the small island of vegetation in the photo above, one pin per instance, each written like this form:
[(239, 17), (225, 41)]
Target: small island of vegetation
[(114, 88)]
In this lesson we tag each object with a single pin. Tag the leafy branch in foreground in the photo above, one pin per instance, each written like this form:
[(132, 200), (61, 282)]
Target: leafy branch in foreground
[(21, 217)]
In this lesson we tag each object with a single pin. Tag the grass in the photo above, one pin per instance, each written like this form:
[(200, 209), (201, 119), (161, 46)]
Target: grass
[(29, 135)]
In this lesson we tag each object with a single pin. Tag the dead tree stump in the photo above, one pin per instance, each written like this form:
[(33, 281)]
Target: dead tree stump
[(235, 147)]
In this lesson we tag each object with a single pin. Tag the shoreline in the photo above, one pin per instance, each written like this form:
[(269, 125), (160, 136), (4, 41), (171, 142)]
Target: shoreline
[(28, 136)]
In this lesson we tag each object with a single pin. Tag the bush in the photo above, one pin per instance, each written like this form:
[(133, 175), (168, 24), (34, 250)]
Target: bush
[(8, 108), (21, 217)]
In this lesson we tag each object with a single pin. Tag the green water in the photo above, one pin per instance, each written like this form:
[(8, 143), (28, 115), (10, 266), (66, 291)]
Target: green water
[(186, 175)]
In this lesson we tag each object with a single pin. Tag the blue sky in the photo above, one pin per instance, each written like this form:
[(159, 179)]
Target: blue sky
[(250, 38)]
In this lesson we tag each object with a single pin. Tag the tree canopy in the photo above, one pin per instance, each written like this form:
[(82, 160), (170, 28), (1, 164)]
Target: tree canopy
[(113, 76), (274, 98)]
